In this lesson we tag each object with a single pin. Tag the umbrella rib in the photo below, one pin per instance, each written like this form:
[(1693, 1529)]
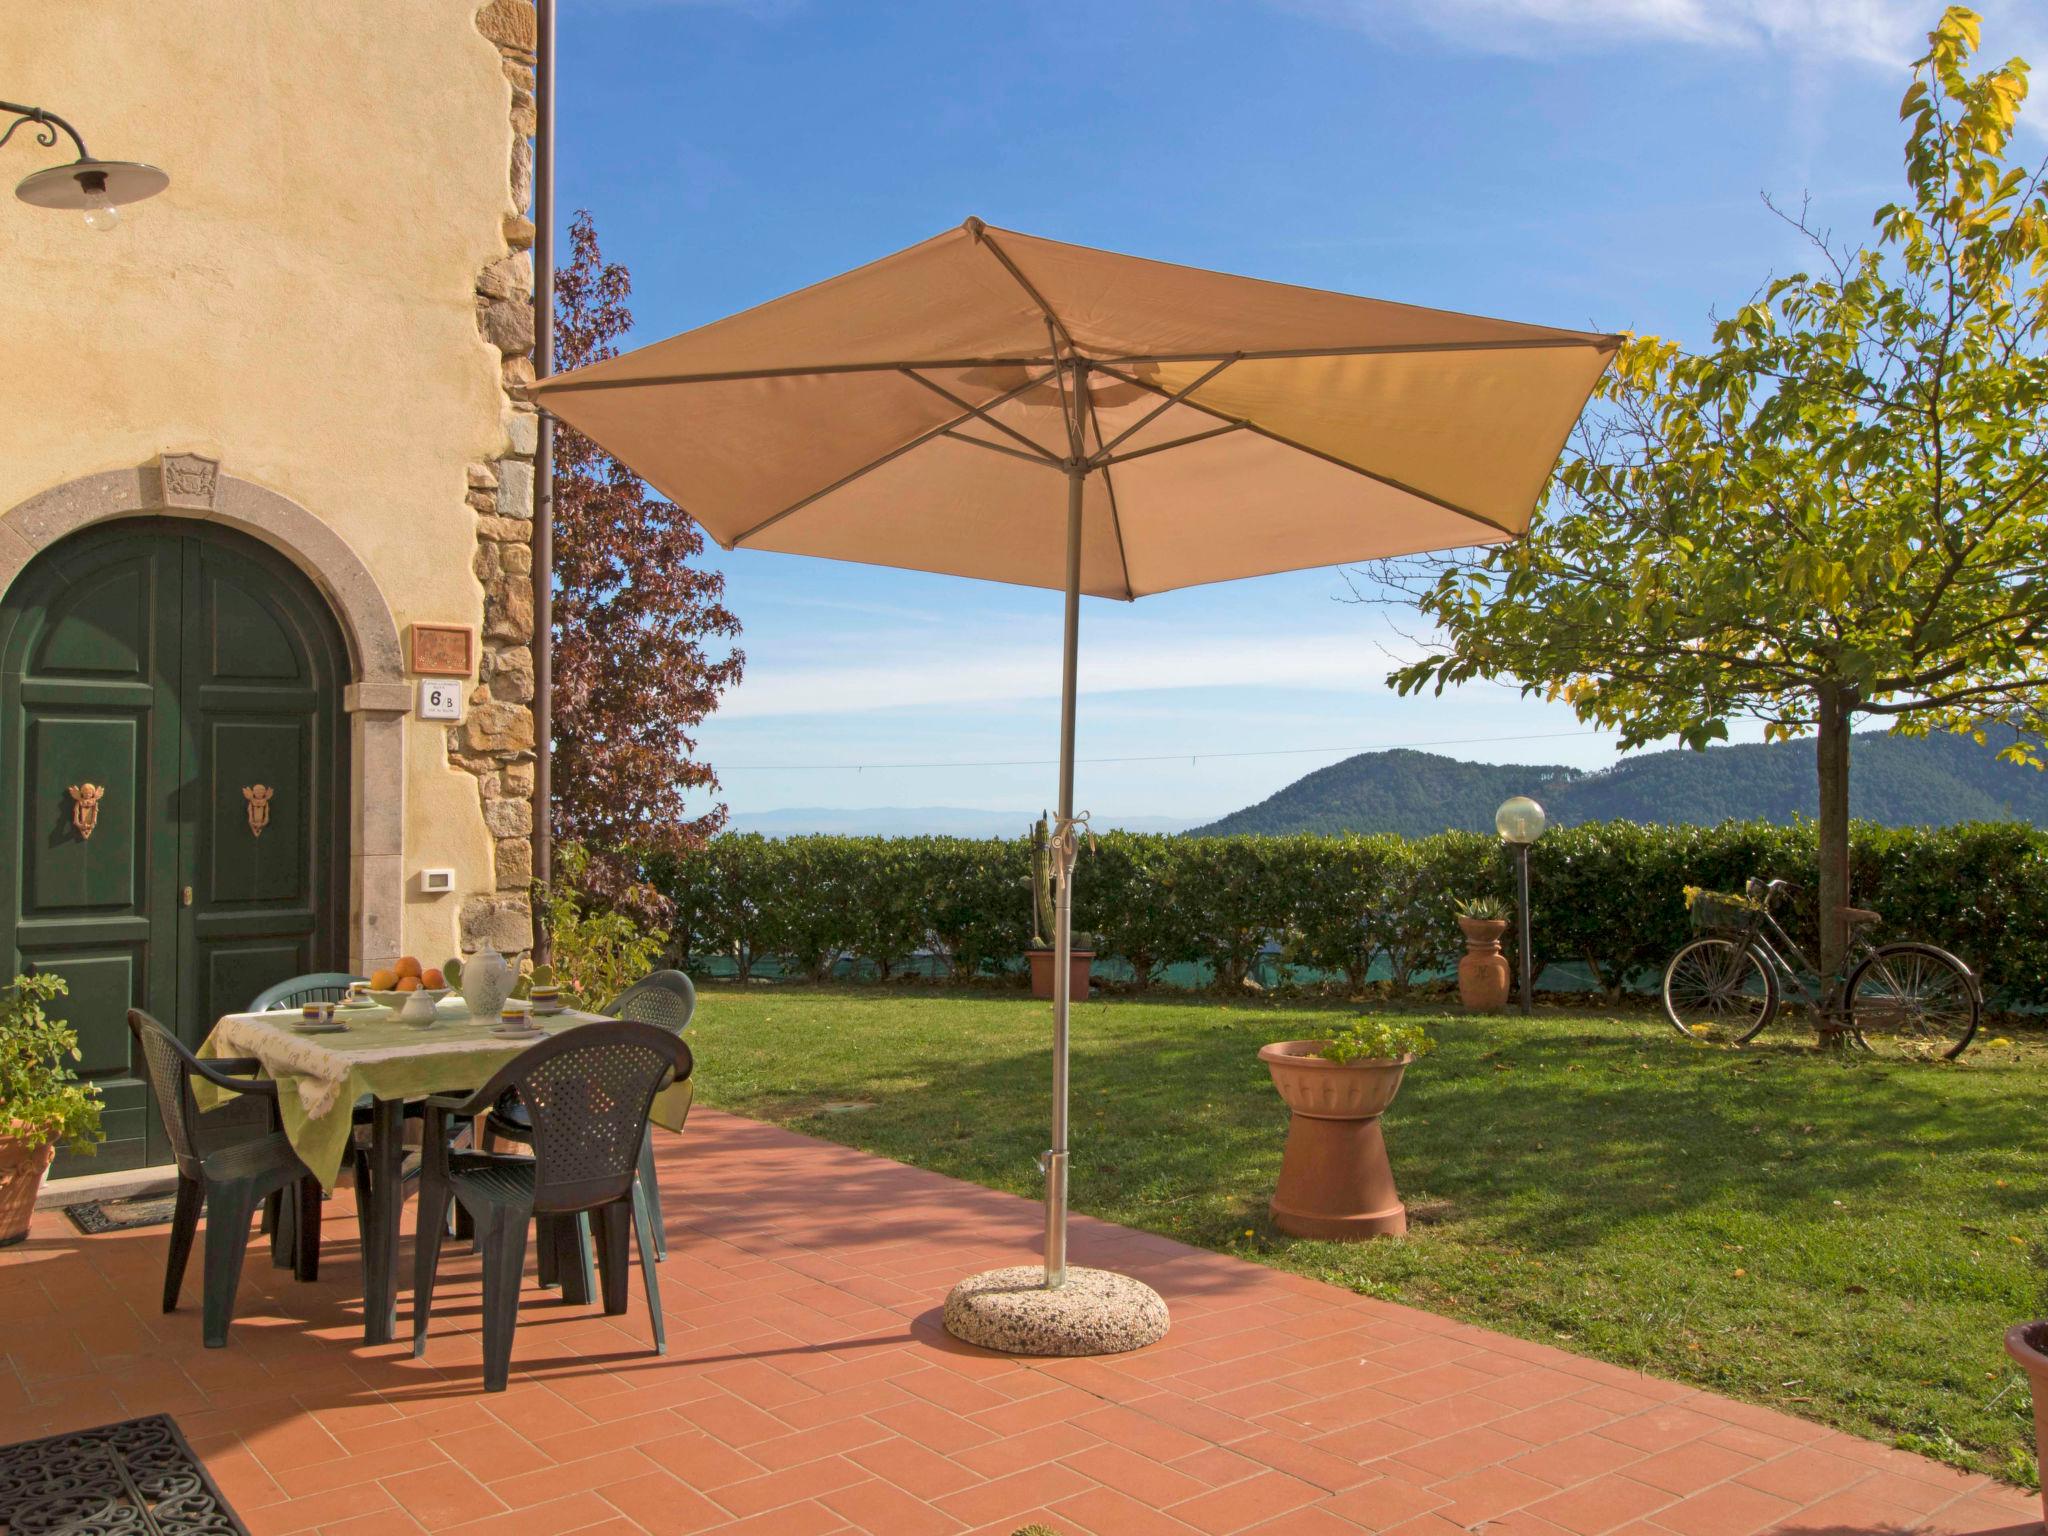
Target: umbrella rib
[(975, 410), (568, 382), (941, 430), (984, 236), (1178, 442), (1383, 349), (1015, 453), (1317, 453), (1106, 449), (1116, 517)]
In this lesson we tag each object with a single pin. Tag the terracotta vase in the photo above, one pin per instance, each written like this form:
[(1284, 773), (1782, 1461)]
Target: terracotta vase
[(1334, 1178), (1041, 972), (1483, 976), (23, 1162), (2027, 1343)]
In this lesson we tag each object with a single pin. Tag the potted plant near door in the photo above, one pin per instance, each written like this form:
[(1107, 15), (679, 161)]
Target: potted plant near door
[(1335, 1181), (2027, 1343), (1483, 976), (41, 1102), (1040, 955)]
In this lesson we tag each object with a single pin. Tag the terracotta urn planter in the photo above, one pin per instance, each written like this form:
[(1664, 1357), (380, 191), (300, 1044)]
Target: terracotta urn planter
[(1483, 975), (2027, 1343), (1334, 1177), (23, 1162), (1041, 972)]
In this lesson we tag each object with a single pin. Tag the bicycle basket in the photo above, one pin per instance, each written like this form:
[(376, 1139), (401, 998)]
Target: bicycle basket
[(1719, 912)]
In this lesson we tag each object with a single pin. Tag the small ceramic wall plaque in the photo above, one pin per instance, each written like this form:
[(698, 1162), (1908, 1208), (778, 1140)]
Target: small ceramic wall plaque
[(443, 650)]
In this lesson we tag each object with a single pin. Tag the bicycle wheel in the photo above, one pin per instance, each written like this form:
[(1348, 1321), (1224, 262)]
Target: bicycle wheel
[(1913, 1000), (1719, 991)]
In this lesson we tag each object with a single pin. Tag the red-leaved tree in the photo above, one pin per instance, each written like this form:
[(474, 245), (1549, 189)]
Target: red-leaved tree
[(637, 623)]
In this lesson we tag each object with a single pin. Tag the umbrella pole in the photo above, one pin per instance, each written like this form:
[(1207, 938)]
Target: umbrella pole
[(1063, 916)]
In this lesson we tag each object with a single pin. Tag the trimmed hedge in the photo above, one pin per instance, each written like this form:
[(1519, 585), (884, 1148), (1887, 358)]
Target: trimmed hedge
[(1607, 895)]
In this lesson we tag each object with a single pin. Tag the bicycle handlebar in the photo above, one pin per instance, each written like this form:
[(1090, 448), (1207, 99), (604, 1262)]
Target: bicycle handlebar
[(1770, 891)]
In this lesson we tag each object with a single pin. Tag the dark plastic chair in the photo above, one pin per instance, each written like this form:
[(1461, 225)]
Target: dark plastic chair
[(330, 987), (666, 999), (587, 1092), (228, 1181), (297, 991)]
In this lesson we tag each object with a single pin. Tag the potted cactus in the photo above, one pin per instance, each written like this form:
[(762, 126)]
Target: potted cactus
[(1483, 975), (1335, 1181), (41, 1102), (1040, 955)]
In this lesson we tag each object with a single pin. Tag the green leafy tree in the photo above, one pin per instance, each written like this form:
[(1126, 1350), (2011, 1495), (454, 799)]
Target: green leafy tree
[(1836, 511)]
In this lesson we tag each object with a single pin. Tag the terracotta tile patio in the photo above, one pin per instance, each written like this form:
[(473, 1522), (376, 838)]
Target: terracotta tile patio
[(810, 1390)]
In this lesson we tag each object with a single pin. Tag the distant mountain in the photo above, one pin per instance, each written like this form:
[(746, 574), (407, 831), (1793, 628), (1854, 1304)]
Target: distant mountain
[(920, 821), (1893, 780)]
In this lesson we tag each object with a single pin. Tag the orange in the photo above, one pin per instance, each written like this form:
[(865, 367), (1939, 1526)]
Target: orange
[(407, 984), (432, 977), (384, 981), (408, 966)]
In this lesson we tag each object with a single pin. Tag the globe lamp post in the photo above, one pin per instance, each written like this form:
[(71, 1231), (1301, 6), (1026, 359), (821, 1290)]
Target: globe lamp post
[(1520, 822)]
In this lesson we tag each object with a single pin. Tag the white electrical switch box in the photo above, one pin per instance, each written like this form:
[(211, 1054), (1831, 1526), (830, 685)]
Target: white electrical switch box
[(437, 882)]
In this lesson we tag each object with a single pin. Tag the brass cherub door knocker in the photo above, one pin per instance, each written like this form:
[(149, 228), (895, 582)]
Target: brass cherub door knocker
[(258, 796), (85, 809)]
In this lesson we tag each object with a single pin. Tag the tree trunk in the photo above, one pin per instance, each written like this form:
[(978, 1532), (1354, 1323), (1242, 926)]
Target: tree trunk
[(1832, 765)]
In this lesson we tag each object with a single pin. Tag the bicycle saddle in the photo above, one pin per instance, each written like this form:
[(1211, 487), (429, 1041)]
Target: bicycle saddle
[(1860, 916)]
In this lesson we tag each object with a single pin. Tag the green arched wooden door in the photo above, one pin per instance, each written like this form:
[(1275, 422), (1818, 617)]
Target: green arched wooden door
[(175, 665)]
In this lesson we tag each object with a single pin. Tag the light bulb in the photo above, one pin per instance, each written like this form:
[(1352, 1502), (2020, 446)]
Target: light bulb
[(99, 213)]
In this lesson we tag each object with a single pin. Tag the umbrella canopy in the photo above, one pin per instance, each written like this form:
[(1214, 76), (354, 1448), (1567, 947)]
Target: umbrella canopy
[(926, 411), (906, 413)]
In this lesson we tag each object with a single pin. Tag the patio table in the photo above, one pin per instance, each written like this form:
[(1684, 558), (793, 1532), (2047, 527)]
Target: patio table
[(321, 1077)]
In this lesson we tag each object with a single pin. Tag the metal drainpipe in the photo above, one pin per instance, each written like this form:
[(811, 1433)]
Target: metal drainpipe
[(544, 452)]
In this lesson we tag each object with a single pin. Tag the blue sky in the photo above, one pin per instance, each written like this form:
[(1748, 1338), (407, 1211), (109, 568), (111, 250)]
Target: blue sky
[(1590, 163)]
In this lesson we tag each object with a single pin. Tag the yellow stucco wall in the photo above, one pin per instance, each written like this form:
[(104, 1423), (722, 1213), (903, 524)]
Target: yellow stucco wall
[(300, 304)]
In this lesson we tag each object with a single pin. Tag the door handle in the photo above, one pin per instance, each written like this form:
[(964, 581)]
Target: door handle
[(185, 896), (258, 796)]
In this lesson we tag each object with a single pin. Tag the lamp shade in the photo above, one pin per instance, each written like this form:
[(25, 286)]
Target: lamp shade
[(113, 182), (1519, 820)]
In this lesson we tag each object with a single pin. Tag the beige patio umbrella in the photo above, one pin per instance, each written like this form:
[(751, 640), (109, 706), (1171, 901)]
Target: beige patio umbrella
[(923, 411)]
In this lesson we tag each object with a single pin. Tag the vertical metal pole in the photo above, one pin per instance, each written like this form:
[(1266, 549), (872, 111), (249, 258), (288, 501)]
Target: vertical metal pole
[(544, 453), (1063, 916), (1522, 903)]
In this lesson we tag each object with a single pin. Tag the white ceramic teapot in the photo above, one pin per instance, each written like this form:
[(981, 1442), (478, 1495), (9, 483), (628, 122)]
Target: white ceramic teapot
[(487, 980)]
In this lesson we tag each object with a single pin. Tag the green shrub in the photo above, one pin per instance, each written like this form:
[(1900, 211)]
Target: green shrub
[(1608, 895), (40, 1097), (1377, 1039), (596, 952)]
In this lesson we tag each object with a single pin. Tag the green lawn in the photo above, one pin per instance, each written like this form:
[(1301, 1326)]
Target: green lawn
[(1842, 1238)]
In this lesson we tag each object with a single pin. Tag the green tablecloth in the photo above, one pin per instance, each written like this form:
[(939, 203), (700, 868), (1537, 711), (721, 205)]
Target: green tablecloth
[(321, 1076)]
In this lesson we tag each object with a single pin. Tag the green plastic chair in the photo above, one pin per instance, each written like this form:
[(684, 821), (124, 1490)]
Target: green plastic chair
[(666, 999), (587, 1093), (229, 1182), (297, 991)]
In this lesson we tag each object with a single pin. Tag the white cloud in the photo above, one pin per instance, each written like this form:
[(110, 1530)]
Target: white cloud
[(1005, 674), (1884, 32)]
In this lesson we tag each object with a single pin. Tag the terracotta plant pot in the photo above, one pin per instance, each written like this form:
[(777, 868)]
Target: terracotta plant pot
[(1334, 1177), (23, 1162), (1041, 972), (1483, 975), (2028, 1344)]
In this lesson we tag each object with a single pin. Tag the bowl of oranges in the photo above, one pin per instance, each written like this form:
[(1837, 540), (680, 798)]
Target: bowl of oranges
[(410, 988)]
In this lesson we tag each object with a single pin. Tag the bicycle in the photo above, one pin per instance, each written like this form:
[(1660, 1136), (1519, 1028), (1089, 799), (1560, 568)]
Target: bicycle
[(1725, 986)]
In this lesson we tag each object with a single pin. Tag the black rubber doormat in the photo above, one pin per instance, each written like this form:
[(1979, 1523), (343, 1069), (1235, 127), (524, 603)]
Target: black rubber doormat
[(93, 1217), (135, 1478)]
